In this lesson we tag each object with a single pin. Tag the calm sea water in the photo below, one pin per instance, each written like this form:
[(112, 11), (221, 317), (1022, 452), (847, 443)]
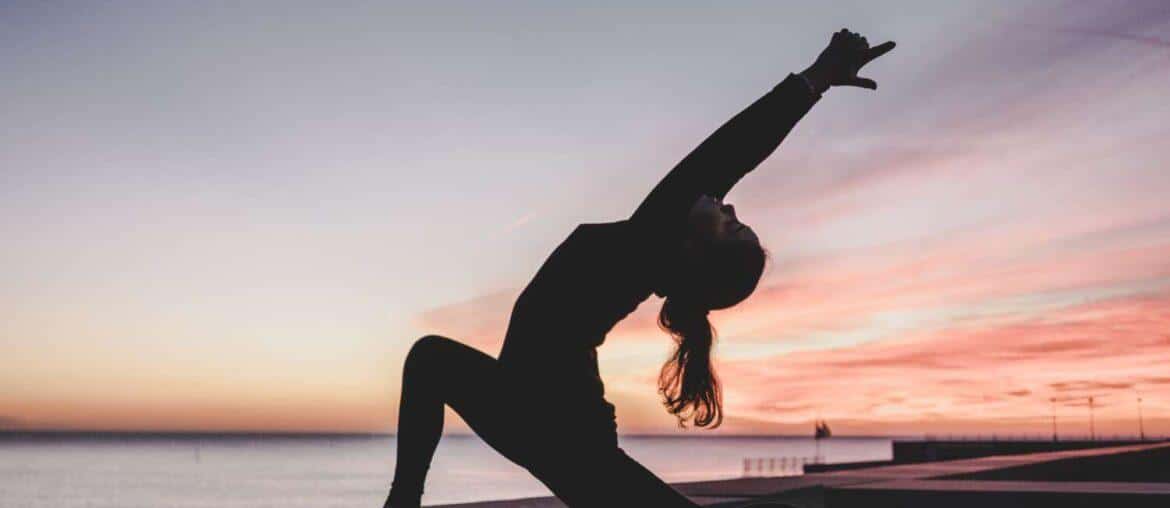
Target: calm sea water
[(64, 472)]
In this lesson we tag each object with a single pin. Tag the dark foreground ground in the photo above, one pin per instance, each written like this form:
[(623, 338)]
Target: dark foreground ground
[(1133, 475)]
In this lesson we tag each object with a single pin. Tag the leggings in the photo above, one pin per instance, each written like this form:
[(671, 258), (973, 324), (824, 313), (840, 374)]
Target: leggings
[(581, 465)]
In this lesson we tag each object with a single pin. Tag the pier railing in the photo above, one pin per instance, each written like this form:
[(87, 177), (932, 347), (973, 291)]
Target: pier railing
[(777, 466)]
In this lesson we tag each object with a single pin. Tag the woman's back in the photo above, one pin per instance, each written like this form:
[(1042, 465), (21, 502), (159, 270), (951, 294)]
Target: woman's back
[(595, 278)]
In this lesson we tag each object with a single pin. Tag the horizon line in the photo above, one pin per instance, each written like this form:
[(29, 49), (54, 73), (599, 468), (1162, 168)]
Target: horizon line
[(319, 434)]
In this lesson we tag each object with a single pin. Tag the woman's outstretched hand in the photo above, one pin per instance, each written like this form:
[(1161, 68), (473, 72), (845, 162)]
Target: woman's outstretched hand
[(838, 64)]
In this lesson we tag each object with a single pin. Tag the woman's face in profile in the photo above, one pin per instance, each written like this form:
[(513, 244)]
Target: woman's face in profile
[(714, 221)]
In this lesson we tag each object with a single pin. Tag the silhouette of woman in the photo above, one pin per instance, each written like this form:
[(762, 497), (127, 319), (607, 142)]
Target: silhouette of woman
[(542, 404)]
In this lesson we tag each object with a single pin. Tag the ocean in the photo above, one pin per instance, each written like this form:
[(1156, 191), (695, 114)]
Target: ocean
[(123, 471)]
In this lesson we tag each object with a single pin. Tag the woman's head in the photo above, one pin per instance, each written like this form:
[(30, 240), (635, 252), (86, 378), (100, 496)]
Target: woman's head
[(712, 220), (722, 259), (720, 266)]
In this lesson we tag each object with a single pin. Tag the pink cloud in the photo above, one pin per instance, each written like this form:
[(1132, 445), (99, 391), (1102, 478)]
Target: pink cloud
[(1110, 349)]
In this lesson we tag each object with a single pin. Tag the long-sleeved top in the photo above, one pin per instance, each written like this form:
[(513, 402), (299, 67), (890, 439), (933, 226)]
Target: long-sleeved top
[(602, 272)]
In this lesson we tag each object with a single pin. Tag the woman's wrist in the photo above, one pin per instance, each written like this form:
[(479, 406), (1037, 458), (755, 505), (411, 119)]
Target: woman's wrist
[(815, 80)]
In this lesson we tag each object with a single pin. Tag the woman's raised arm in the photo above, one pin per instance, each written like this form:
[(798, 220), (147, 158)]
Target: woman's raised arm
[(742, 143), (728, 154)]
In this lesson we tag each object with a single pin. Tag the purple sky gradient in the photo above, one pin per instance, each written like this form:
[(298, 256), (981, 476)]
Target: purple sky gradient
[(239, 217)]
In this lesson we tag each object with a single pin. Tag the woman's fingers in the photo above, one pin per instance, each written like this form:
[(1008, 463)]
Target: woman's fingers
[(848, 51), (861, 82), (879, 50)]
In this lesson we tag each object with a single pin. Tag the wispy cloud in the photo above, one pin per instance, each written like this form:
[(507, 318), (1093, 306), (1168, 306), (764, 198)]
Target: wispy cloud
[(519, 222)]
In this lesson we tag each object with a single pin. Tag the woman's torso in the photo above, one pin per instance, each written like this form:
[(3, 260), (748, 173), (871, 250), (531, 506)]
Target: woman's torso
[(594, 279)]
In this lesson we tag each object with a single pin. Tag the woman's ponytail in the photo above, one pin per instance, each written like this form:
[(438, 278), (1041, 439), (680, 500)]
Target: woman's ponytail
[(687, 381)]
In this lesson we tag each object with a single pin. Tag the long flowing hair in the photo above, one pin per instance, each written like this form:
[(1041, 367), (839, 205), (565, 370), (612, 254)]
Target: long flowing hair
[(721, 277)]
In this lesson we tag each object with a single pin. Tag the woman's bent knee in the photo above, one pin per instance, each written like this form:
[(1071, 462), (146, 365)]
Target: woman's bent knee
[(429, 342), (425, 350)]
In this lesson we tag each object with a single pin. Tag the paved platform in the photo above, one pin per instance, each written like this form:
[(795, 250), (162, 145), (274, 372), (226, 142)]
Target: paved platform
[(1013, 481), (1002, 481)]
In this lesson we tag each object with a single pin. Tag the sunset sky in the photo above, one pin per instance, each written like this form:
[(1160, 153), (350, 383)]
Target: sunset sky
[(239, 217)]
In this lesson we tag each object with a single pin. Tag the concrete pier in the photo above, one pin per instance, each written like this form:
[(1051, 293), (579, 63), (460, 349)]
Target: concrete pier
[(1126, 475)]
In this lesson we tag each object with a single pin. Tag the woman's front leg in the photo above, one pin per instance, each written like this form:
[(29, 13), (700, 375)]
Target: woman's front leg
[(440, 371)]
